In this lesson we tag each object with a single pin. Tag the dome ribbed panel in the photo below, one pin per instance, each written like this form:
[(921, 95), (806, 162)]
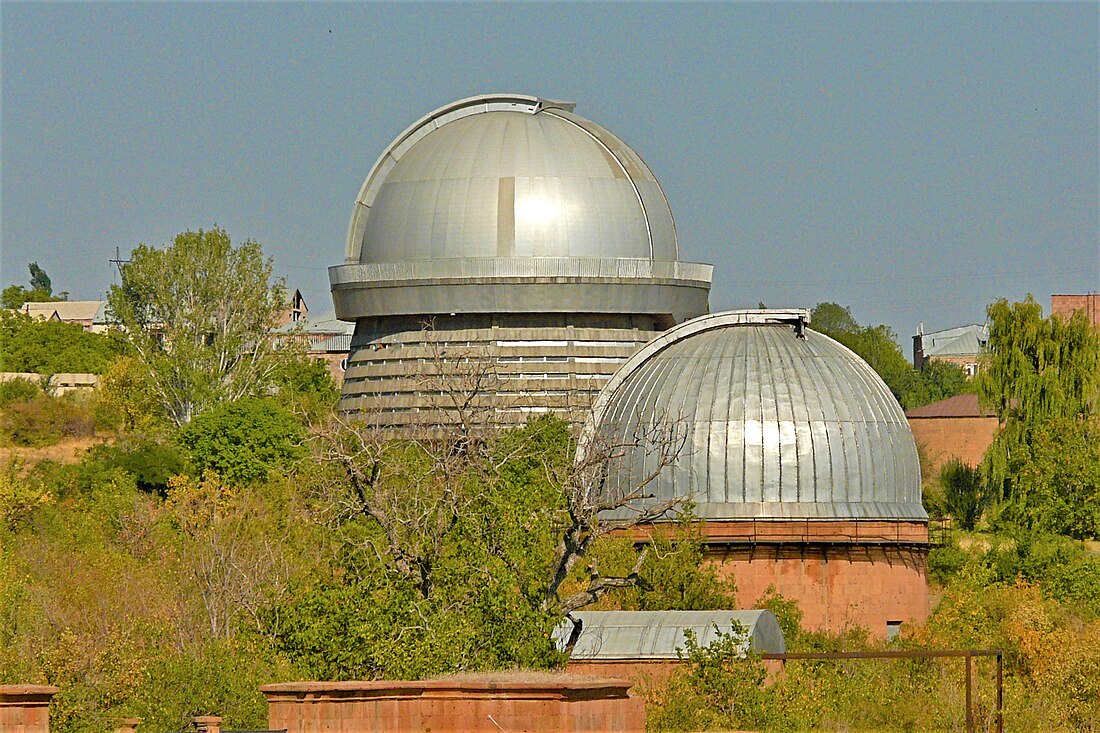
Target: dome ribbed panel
[(579, 191), (773, 426)]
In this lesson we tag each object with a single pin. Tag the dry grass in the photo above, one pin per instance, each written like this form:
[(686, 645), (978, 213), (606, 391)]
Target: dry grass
[(67, 451)]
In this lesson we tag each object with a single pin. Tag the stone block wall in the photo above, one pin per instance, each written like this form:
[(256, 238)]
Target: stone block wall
[(530, 703), (25, 708)]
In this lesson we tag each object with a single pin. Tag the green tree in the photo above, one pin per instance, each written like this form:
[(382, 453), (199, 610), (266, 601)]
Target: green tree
[(39, 279), (964, 492), (201, 314), (877, 345), (243, 441), (41, 290), (1039, 371), (50, 347)]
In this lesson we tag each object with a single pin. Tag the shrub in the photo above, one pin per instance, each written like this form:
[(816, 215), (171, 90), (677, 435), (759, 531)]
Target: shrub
[(45, 420), (964, 492), (150, 463), (18, 389), (244, 440)]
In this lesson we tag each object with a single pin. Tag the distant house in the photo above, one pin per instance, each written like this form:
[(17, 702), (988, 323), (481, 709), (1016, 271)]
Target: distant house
[(297, 311), (962, 346), (328, 339), (87, 313), (1067, 305), (957, 427)]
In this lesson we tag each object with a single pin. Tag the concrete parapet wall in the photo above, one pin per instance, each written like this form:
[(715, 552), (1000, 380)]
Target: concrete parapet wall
[(489, 704), (25, 708)]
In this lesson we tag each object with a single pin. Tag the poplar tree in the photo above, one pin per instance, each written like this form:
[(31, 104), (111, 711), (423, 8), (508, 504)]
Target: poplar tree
[(201, 315)]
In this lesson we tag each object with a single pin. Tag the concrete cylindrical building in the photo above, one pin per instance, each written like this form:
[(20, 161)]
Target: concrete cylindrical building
[(505, 248), (793, 453)]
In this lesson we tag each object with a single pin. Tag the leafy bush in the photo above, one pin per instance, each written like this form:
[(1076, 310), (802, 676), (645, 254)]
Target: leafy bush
[(45, 420), (964, 493), (16, 390), (51, 347), (19, 497), (307, 387), (244, 440), (149, 462)]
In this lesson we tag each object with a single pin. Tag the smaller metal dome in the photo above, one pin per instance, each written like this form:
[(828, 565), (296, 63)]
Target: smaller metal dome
[(777, 422)]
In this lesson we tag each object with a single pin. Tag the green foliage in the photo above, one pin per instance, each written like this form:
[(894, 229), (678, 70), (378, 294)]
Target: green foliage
[(307, 387), (41, 290), (14, 296), (964, 493), (125, 398), (1056, 480), (200, 315), (19, 389), (1039, 370), (51, 347), (244, 440), (151, 464), (877, 345), (19, 496), (39, 279), (673, 577), (445, 569), (45, 420)]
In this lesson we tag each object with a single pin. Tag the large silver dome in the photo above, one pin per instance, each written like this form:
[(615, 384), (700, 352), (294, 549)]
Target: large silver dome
[(509, 176), (777, 422)]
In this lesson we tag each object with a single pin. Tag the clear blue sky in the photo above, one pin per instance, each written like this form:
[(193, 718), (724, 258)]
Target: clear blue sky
[(914, 161)]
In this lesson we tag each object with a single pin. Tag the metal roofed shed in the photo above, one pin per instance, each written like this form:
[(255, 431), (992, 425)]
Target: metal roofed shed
[(657, 635)]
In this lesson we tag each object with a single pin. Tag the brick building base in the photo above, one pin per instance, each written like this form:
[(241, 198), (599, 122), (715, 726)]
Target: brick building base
[(530, 703), (25, 708)]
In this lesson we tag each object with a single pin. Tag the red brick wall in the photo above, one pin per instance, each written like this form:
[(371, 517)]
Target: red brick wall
[(25, 708), (1065, 305), (836, 586), (484, 704), (945, 438)]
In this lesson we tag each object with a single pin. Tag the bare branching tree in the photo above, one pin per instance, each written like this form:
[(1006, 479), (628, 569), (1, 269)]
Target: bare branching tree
[(416, 486)]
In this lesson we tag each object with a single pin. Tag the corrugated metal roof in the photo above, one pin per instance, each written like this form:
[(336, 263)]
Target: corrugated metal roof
[(609, 635), (961, 405), (341, 343)]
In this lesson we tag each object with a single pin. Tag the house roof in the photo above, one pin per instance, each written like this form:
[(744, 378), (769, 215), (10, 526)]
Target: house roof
[(961, 405), (961, 341), (326, 323), (66, 310)]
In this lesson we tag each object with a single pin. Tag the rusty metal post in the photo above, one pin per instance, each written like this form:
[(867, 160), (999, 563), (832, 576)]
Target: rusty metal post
[(969, 710), (1000, 694)]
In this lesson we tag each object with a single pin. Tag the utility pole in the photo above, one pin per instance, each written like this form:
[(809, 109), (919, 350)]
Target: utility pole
[(117, 262)]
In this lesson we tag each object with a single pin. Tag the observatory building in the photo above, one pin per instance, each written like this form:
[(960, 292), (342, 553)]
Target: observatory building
[(793, 453), (509, 255)]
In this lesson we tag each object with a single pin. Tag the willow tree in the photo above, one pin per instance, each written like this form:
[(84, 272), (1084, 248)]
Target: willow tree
[(201, 315), (1039, 372)]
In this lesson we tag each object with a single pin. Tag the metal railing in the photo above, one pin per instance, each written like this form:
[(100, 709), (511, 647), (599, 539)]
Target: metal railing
[(521, 267)]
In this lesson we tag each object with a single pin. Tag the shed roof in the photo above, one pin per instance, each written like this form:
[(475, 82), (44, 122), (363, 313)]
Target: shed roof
[(613, 635)]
